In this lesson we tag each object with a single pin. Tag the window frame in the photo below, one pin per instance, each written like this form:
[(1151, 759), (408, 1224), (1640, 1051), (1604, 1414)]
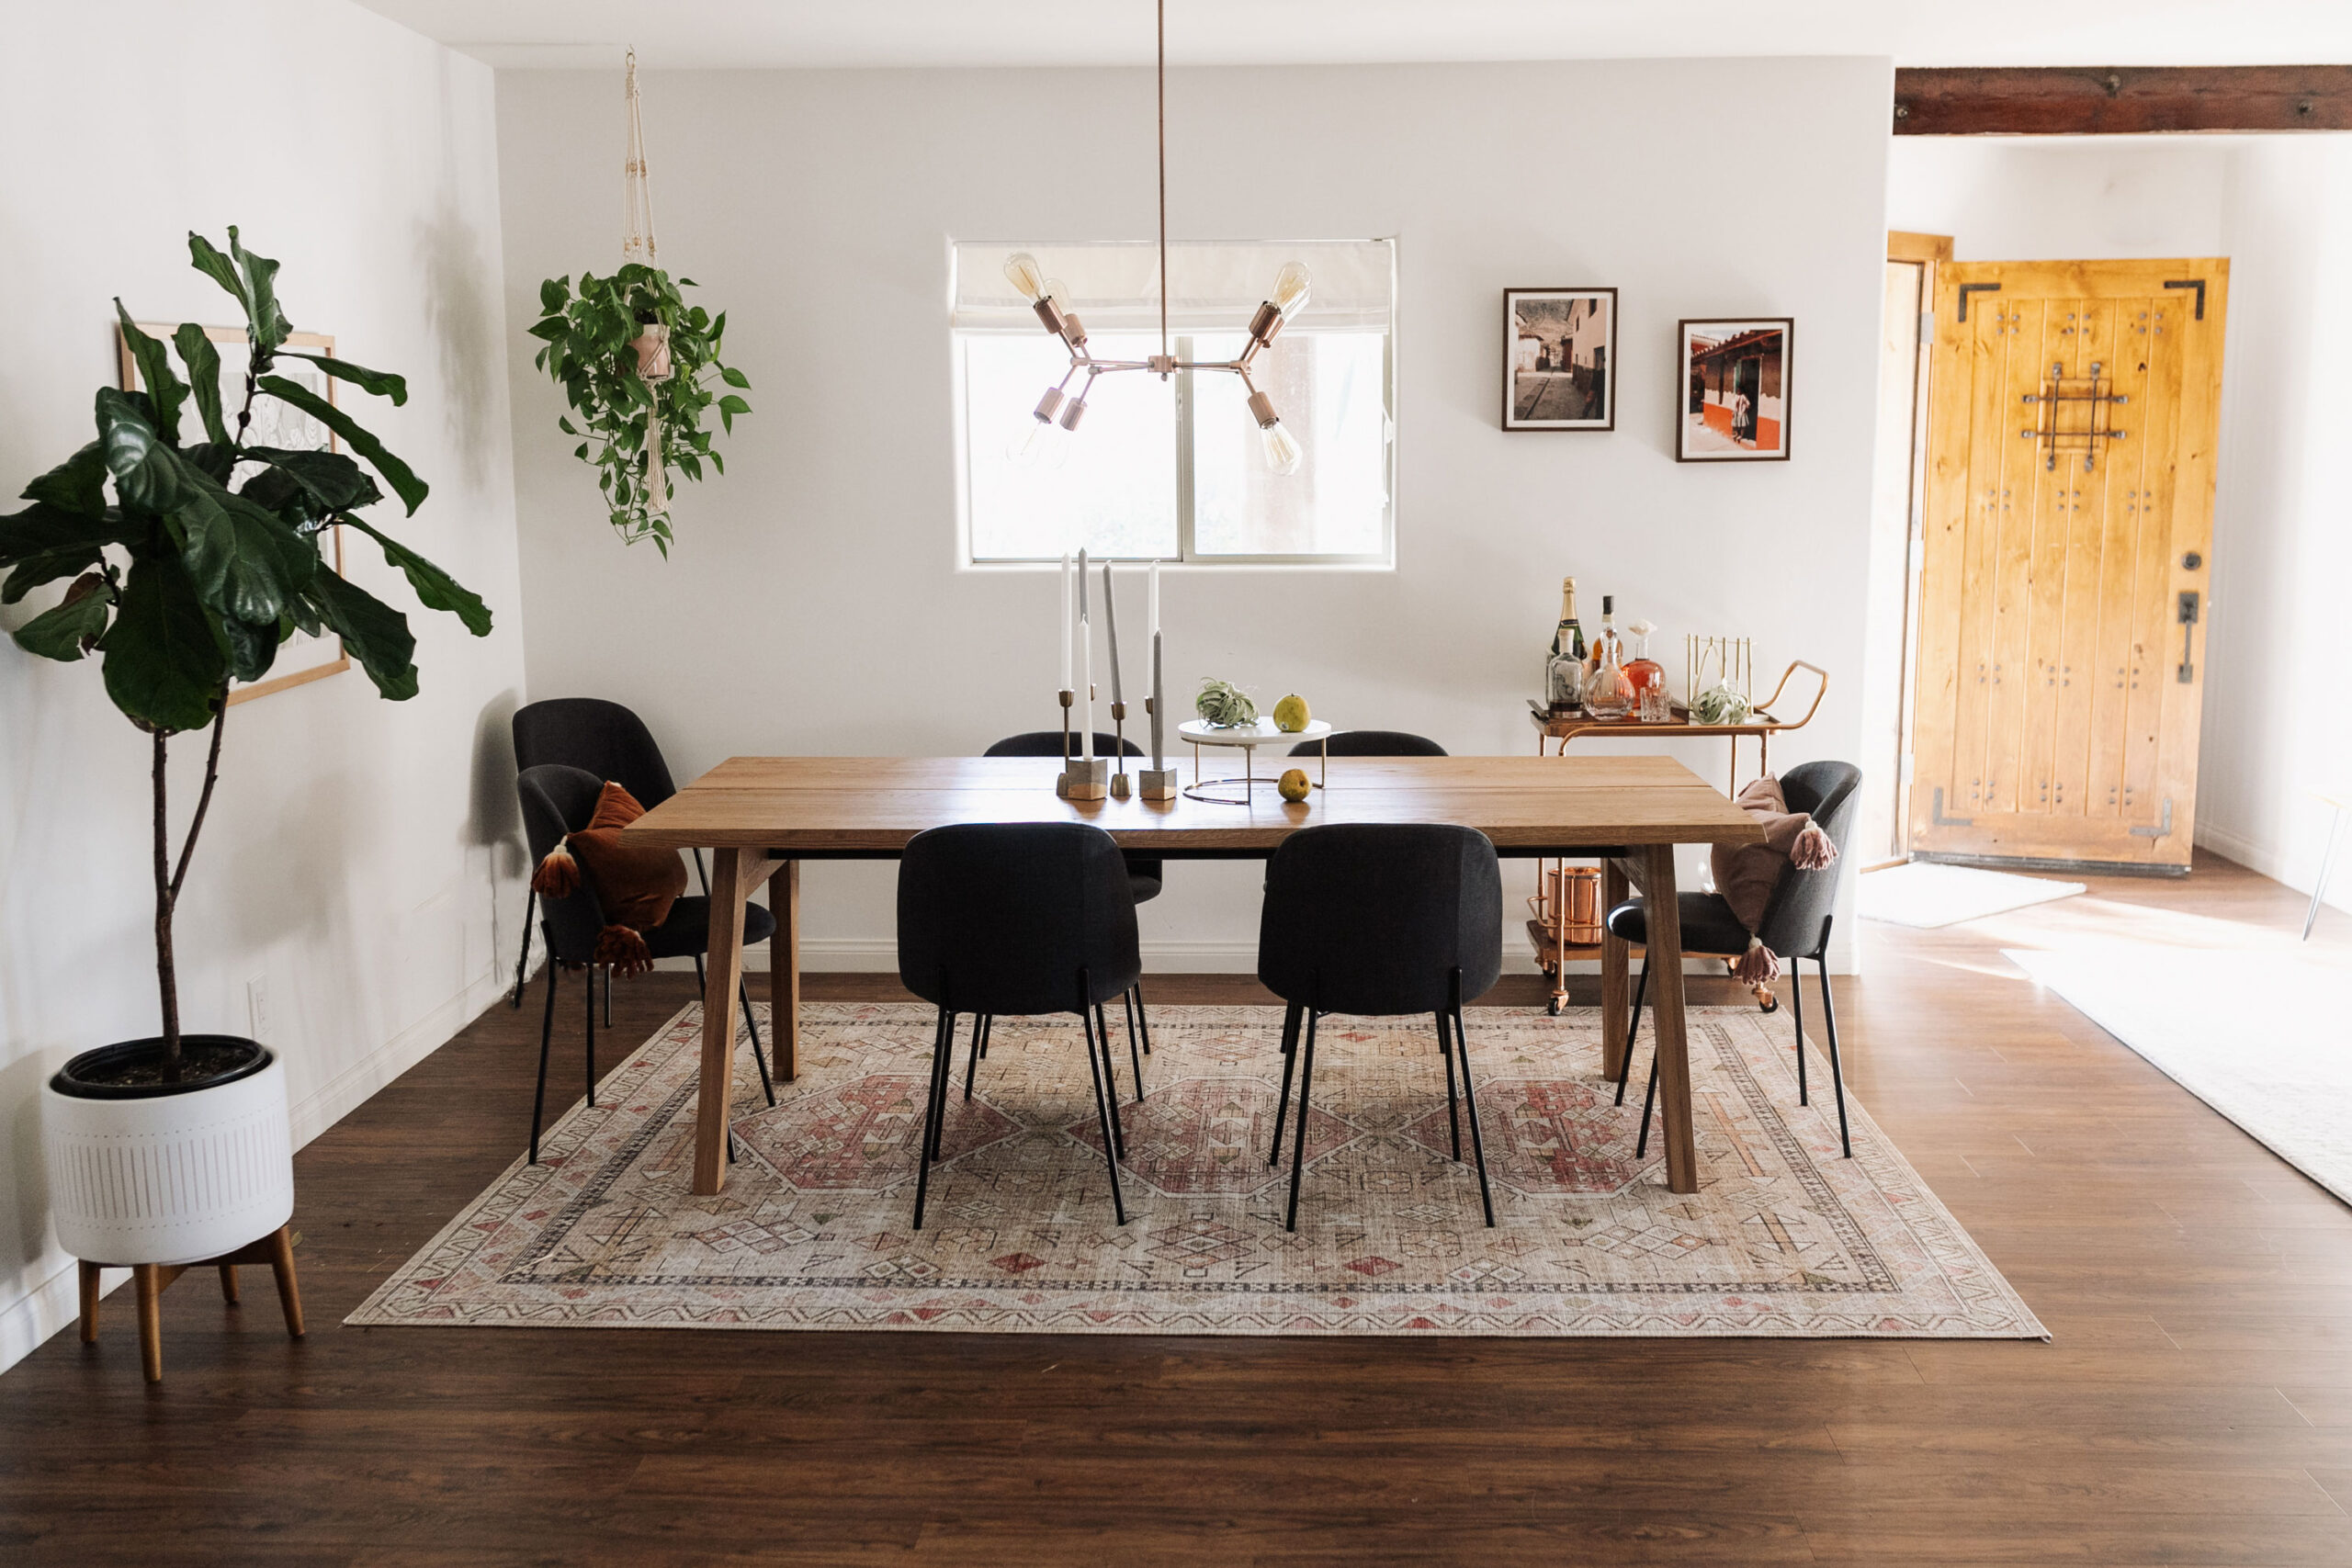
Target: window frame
[(1384, 559)]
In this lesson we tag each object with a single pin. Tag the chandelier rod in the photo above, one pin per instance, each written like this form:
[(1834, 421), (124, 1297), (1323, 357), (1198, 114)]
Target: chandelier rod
[(1163, 41)]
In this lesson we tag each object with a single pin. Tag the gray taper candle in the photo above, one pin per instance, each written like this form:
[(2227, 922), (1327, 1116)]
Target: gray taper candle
[(1111, 632)]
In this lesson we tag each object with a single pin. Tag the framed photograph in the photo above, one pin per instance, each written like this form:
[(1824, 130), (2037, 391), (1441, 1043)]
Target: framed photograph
[(301, 657), (1559, 359), (1734, 390)]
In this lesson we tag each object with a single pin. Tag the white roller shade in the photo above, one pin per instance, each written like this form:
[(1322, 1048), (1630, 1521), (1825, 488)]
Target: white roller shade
[(1114, 286)]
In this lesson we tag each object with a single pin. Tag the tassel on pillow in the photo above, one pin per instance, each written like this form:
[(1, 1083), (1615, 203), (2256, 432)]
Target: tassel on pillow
[(624, 948), (558, 875), (1813, 850), (1759, 965)]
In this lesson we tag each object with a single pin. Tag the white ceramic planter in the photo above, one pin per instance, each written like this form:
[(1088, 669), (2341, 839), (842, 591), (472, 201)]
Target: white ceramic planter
[(170, 1178)]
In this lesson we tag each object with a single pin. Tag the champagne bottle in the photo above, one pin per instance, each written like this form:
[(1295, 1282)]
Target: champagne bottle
[(1564, 660)]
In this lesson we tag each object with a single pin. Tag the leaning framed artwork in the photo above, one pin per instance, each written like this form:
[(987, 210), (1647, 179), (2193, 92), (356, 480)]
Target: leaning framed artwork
[(1732, 389), (1559, 359), (301, 657)]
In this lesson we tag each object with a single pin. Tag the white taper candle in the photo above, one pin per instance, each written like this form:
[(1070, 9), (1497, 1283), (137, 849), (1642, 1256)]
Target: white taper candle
[(1158, 703)]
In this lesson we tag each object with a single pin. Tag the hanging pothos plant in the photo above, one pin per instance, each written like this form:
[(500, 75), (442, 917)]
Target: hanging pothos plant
[(634, 360)]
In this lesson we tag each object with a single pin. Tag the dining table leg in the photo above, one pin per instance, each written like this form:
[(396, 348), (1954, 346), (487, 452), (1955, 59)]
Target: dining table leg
[(1614, 954), (783, 966), (1663, 963), (730, 879)]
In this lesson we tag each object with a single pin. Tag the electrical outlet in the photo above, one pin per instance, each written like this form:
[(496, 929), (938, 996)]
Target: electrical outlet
[(257, 1008)]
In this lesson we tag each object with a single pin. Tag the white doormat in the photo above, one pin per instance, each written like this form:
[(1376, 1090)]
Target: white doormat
[(1924, 894), (2264, 1038)]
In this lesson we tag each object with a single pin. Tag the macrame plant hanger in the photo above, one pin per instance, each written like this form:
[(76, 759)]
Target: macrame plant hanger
[(652, 345)]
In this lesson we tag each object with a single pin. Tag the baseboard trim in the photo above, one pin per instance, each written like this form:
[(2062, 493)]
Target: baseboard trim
[(55, 1304)]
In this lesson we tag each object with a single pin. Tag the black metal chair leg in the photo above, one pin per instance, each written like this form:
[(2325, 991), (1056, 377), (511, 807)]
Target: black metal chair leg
[(1103, 1108), (1649, 1099), (931, 1107), (1477, 1140), (1128, 997), (523, 959), (1836, 1067), (744, 993), (943, 1070), (608, 995), (1102, 1037), (972, 1062), (1633, 1029), (546, 1034), (987, 1033), (1453, 1112), (1298, 1143), (1797, 1011), (592, 1035), (1290, 1061), (1142, 1020)]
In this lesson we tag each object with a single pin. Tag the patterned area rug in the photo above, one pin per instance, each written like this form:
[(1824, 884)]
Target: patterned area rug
[(1783, 1239)]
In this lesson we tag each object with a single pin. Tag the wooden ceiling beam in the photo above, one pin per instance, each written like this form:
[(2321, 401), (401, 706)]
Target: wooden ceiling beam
[(2098, 101)]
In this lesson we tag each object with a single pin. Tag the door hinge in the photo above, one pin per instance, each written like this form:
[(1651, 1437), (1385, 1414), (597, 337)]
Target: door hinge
[(1907, 769), (1937, 812), (2163, 830), (1927, 328), (1918, 554)]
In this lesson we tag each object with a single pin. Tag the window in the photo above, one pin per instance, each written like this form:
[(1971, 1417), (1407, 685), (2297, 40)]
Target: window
[(1174, 469)]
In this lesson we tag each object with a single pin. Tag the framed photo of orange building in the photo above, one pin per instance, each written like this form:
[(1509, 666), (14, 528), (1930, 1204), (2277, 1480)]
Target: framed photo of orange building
[(1559, 359), (1734, 390)]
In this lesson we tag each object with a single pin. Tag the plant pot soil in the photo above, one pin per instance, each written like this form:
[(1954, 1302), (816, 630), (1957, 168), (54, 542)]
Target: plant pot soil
[(136, 1070)]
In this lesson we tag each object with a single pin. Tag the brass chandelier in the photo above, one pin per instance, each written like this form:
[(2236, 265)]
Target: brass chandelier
[(1058, 412)]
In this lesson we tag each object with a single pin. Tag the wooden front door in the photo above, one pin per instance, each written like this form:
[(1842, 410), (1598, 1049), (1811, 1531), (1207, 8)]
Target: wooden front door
[(2074, 410)]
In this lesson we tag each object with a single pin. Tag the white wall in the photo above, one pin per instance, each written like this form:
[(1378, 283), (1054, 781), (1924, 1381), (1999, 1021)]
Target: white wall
[(2281, 208), (2275, 727), (814, 602), (358, 850)]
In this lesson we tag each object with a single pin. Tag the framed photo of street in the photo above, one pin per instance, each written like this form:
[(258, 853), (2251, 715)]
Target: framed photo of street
[(1559, 359), (1733, 390), (302, 657)]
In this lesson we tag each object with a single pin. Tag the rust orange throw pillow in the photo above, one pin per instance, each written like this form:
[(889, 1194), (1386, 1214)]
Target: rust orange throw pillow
[(635, 884)]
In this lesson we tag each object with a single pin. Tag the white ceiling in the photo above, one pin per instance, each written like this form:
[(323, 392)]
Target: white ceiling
[(768, 33)]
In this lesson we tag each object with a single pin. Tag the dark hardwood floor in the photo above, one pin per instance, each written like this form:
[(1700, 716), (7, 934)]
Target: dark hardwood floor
[(2194, 1408)]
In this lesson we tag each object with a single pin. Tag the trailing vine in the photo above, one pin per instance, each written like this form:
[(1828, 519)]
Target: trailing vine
[(637, 430)]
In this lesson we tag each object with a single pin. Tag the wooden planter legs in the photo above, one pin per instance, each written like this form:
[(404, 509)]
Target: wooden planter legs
[(277, 1249)]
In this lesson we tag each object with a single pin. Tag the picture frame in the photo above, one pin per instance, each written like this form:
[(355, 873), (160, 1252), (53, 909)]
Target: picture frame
[(302, 657), (1559, 359), (1731, 381)]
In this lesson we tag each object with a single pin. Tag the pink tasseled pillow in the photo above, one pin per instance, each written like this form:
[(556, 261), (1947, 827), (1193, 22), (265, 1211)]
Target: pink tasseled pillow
[(1747, 873)]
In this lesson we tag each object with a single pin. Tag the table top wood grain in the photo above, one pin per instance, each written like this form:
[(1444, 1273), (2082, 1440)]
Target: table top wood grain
[(819, 807)]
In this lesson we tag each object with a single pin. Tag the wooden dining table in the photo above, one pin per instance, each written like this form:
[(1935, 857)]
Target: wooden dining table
[(761, 816)]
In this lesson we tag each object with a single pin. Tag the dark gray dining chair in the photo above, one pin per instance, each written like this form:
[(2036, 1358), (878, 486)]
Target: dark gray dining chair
[(1370, 743), (558, 800), (601, 738), (1379, 920), (1796, 924), (1146, 873), (1017, 919)]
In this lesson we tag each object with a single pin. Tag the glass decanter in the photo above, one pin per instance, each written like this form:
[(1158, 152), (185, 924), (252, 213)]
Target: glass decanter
[(1648, 676), (1607, 691)]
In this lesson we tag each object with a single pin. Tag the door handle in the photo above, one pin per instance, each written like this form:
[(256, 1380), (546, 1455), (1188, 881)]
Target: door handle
[(2187, 635)]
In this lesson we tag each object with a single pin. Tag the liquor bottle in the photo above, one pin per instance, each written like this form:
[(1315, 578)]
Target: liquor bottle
[(1607, 692), (1564, 660)]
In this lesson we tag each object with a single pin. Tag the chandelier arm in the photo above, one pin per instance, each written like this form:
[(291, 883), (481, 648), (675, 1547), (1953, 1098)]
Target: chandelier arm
[(1162, 43)]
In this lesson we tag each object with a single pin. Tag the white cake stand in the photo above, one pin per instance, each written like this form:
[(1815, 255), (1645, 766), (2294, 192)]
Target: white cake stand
[(1249, 737)]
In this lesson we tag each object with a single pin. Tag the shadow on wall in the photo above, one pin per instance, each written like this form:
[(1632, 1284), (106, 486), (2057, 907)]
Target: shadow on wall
[(494, 820), (24, 1207), (463, 317)]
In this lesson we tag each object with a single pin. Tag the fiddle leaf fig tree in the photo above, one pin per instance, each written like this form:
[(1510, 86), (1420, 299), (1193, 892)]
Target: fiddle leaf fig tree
[(635, 363), (191, 562)]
